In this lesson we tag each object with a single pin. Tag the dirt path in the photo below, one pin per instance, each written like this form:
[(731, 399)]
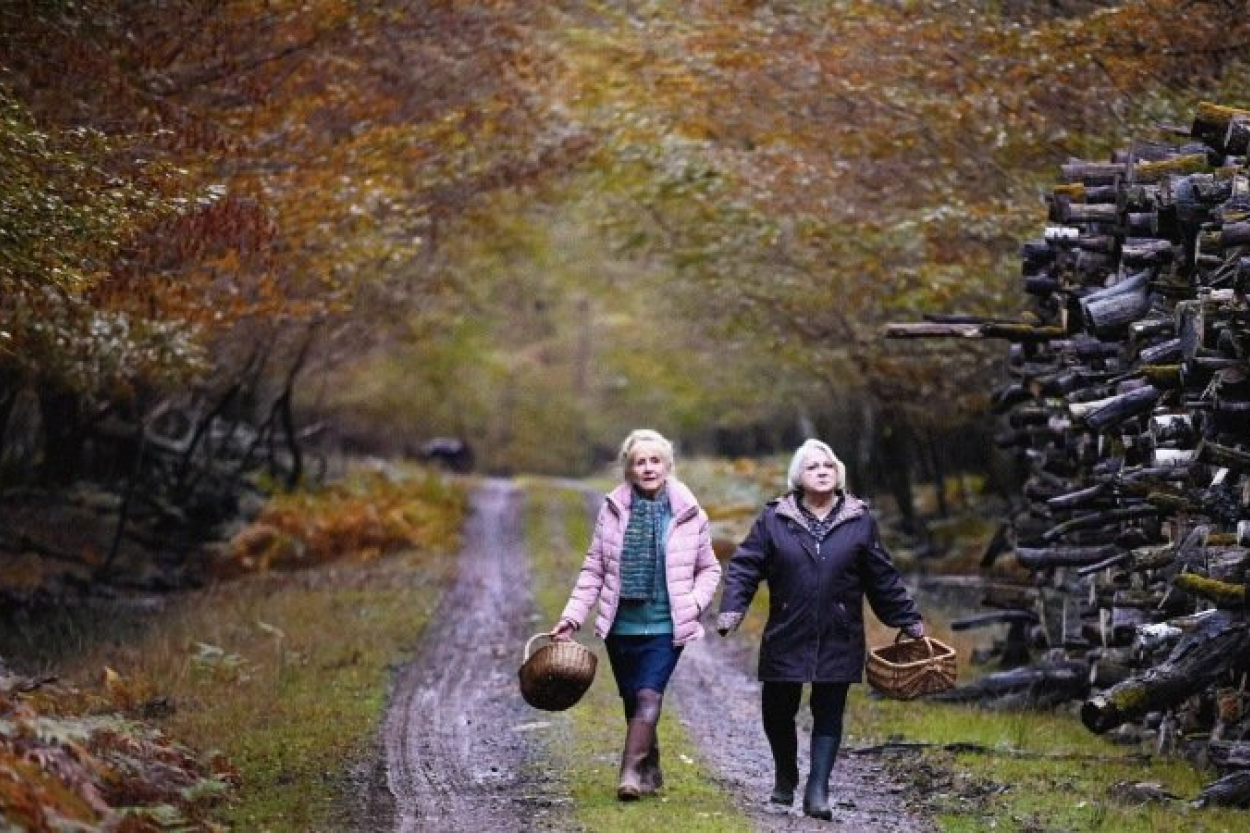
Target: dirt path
[(462, 752), (459, 750), (866, 797)]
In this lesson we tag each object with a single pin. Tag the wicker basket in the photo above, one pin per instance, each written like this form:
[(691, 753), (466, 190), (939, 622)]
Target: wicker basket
[(556, 676), (911, 669)]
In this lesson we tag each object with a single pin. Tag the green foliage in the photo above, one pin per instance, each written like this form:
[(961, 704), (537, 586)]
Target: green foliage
[(66, 214)]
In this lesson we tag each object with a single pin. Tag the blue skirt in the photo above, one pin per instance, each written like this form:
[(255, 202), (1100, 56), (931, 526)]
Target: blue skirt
[(640, 662)]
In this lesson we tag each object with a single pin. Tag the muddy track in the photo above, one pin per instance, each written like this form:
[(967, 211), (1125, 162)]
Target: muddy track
[(718, 702), (458, 750)]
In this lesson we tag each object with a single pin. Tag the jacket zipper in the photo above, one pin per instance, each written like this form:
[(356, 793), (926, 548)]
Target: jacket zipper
[(819, 594)]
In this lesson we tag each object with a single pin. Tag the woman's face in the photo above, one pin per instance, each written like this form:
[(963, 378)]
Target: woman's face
[(819, 474), (647, 469)]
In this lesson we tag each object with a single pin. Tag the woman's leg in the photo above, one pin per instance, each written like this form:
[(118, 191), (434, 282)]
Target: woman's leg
[(639, 741), (828, 701), (779, 705), (643, 666)]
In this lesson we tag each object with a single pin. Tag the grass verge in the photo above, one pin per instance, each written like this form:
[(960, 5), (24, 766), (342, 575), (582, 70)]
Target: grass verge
[(1038, 771), (690, 801), (285, 674)]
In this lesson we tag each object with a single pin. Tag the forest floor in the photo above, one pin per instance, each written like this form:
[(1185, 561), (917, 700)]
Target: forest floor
[(460, 751)]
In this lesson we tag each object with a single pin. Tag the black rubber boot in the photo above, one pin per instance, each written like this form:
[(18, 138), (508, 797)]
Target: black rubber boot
[(816, 796), (784, 743)]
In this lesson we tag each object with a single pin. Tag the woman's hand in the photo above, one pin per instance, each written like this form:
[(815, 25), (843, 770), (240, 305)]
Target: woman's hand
[(728, 621), (915, 630), (563, 631)]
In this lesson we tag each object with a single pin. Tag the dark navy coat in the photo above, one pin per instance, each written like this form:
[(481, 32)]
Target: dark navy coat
[(815, 629)]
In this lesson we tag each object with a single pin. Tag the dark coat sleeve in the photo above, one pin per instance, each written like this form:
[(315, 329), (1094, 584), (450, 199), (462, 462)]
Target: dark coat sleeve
[(883, 584), (746, 568)]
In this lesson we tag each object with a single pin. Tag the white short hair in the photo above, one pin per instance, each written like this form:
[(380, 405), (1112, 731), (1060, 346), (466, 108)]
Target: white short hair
[(645, 435), (796, 463)]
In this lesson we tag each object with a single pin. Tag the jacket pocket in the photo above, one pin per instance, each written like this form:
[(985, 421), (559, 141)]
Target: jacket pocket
[(845, 619)]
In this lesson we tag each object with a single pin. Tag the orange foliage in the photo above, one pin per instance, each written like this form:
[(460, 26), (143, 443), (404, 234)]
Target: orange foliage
[(359, 520), (65, 763)]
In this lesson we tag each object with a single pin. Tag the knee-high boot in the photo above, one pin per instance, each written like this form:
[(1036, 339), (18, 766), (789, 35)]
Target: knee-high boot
[(784, 743), (816, 796), (652, 777), (639, 739)]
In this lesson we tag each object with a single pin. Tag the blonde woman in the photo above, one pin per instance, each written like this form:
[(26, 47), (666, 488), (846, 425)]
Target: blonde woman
[(651, 568)]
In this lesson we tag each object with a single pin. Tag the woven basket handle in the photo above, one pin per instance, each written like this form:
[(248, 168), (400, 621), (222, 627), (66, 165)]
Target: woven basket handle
[(927, 641), (529, 642)]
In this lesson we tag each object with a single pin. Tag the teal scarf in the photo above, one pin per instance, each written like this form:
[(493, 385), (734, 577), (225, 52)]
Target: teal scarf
[(640, 550)]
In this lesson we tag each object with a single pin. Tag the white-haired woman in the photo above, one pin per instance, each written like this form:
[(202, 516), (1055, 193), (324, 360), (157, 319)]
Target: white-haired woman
[(651, 568), (818, 548)]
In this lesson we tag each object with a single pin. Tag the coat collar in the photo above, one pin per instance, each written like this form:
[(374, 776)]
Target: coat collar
[(849, 508), (680, 498)]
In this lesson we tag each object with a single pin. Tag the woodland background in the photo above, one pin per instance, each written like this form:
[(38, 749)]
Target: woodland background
[(242, 239), (237, 234)]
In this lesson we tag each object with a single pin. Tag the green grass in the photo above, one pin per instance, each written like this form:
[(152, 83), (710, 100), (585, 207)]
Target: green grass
[(285, 674), (1042, 770), (689, 801)]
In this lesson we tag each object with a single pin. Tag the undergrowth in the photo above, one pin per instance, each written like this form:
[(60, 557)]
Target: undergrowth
[(281, 674)]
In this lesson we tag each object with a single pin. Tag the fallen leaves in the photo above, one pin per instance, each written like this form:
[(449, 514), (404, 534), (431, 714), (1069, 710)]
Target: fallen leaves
[(69, 761)]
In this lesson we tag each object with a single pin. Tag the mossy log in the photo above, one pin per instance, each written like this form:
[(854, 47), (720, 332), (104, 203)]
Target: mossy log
[(1022, 333), (1189, 163), (1220, 593), (1223, 455), (1211, 123), (1219, 644)]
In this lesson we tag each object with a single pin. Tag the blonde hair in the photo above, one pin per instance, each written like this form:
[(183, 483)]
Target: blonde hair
[(796, 463), (645, 435)]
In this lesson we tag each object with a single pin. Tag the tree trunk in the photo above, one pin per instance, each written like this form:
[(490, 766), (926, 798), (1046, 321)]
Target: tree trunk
[(895, 452), (60, 412)]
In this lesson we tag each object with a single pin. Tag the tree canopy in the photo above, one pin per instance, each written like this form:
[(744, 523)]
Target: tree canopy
[(536, 225)]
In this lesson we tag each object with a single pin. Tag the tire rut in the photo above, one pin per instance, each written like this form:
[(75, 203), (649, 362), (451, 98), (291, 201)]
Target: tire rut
[(458, 748), (462, 753)]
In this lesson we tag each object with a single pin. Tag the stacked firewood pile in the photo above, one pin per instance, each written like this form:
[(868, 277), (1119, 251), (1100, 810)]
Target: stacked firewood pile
[(1129, 398)]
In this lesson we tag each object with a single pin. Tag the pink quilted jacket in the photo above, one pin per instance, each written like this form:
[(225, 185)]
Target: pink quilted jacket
[(692, 571)]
